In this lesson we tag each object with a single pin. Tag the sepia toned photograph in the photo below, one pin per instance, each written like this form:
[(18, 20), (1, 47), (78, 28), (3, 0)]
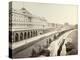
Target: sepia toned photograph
[(42, 29)]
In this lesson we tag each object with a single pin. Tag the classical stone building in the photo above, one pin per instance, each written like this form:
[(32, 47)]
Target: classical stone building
[(24, 25)]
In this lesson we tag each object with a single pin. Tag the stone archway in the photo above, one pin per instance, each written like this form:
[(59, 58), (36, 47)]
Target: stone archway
[(16, 37), (24, 35), (50, 40), (21, 36), (55, 36), (28, 34), (36, 33), (31, 34)]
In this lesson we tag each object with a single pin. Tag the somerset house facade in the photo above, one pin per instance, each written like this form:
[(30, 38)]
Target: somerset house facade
[(23, 25)]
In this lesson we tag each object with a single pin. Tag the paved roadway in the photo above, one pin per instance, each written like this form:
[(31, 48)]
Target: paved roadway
[(70, 36), (73, 38)]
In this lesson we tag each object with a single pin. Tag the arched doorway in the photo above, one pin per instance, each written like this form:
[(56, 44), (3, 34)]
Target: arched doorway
[(21, 36), (25, 35), (16, 37)]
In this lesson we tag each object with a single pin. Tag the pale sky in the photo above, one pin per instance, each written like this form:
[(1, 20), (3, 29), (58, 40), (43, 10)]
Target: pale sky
[(54, 13)]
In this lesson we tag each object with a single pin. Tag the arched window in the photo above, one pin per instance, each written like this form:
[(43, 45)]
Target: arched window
[(21, 36), (16, 37), (25, 35)]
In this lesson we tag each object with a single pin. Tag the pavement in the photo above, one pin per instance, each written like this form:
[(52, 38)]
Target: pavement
[(54, 46)]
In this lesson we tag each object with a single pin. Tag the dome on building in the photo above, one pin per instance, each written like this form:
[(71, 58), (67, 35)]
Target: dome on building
[(25, 11)]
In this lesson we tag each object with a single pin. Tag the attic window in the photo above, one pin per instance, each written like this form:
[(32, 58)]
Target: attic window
[(24, 10), (29, 19)]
